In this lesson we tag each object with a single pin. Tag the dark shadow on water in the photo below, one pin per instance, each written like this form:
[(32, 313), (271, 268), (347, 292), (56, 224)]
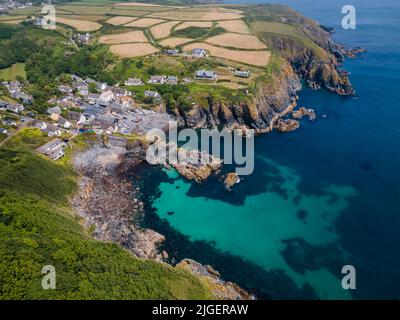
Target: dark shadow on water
[(261, 181), (302, 256)]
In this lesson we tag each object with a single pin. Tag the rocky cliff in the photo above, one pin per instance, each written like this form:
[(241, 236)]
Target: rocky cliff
[(318, 66), (306, 52), (273, 99)]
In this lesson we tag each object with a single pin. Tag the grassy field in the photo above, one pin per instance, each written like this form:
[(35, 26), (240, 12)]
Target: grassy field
[(13, 72), (275, 27), (191, 32), (80, 25)]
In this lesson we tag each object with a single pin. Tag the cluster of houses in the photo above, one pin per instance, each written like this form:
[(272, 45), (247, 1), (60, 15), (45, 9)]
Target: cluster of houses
[(11, 5), (104, 95), (100, 110), (196, 53), (49, 129), (11, 106), (163, 79), (7, 123), (204, 74), (82, 38), (242, 73), (16, 92), (156, 79)]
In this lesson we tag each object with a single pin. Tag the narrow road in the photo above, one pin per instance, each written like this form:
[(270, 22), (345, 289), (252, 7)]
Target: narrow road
[(73, 41), (20, 127), (147, 33)]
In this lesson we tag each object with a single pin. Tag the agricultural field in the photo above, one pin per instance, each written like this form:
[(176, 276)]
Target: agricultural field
[(196, 15), (17, 21), (132, 36), (134, 29), (174, 42), (200, 24), (130, 50), (85, 17), (80, 25), (142, 4), (256, 58), (144, 23), (192, 32), (237, 26), (9, 18), (236, 40), (85, 10), (275, 27), (117, 21), (163, 30)]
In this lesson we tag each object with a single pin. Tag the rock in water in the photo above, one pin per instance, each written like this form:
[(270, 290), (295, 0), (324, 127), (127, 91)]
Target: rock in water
[(286, 125), (231, 179)]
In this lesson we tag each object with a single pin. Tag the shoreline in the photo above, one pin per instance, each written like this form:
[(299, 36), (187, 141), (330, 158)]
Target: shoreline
[(109, 204), (112, 208)]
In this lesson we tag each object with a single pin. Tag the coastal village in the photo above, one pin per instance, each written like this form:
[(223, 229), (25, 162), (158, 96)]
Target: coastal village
[(84, 105), (88, 106)]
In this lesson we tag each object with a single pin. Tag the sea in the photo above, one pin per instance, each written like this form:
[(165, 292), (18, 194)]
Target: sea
[(321, 198)]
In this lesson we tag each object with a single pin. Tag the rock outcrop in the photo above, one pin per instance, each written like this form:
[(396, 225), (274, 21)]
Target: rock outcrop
[(230, 180), (221, 289), (286, 125), (110, 206), (302, 111), (273, 100)]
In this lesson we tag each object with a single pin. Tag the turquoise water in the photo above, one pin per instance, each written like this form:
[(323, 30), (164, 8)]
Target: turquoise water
[(321, 197)]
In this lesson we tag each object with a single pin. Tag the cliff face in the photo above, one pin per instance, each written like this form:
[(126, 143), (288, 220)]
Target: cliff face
[(318, 66), (271, 101)]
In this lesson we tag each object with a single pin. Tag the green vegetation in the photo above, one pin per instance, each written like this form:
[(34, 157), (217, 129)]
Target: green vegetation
[(215, 32), (37, 228), (191, 32), (12, 73), (204, 94), (198, 32), (7, 30), (182, 95), (2, 136)]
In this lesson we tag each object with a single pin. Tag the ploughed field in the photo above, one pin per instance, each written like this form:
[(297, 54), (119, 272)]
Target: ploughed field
[(138, 29)]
